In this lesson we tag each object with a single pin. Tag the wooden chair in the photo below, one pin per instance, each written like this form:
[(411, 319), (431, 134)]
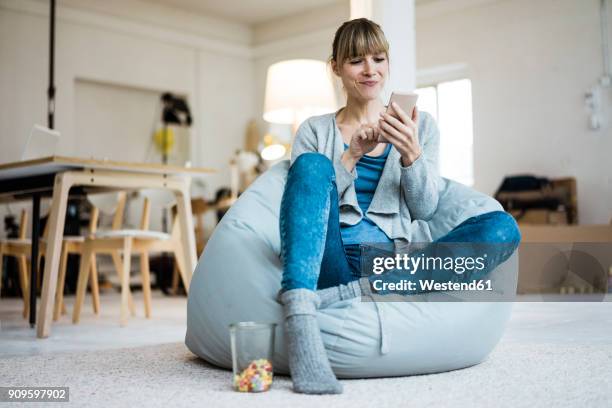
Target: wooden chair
[(74, 245), (129, 241), (19, 248), (199, 208)]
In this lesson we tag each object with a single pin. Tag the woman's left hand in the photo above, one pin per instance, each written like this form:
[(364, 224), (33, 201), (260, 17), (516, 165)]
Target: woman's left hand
[(403, 133)]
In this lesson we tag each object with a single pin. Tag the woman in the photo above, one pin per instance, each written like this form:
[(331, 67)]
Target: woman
[(345, 187)]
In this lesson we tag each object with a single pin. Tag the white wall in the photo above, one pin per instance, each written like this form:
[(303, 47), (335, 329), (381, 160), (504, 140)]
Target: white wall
[(142, 48), (530, 63), (103, 111)]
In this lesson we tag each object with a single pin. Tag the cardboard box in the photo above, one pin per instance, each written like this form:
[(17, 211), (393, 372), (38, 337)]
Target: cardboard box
[(552, 257), (540, 217)]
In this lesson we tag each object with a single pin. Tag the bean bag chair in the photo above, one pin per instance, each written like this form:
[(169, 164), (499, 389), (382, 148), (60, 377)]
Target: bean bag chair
[(238, 277)]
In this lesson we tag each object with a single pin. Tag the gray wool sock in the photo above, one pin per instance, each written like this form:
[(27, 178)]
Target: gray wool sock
[(338, 293), (311, 372)]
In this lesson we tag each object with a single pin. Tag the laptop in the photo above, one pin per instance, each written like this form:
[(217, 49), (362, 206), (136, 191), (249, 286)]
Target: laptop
[(42, 142)]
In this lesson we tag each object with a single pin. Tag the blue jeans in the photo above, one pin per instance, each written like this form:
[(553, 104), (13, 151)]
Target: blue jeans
[(312, 252)]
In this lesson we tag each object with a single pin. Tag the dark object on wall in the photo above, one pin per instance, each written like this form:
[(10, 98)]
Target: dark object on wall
[(175, 110), (539, 200)]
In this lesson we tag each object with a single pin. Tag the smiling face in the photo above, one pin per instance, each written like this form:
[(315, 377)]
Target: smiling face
[(364, 77), (360, 57)]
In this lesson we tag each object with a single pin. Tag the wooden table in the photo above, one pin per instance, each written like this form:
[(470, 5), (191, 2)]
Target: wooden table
[(54, 176)]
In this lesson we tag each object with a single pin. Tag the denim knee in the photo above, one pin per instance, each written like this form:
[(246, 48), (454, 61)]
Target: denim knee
[(505, 228), (313, 166)]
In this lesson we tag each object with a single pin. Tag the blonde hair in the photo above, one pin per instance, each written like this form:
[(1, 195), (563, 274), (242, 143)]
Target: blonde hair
[(357, 38)]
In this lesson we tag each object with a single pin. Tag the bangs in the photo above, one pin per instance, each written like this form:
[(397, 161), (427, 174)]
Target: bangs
[(360, 38), (365, 43)]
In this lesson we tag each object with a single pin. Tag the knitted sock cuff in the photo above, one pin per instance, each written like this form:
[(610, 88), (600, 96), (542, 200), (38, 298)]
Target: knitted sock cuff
[(329, 296), (299, 302), (363, 285), (350, 290)]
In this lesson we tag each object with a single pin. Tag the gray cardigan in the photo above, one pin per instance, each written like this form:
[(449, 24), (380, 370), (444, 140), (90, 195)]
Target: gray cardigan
[(404, 194)]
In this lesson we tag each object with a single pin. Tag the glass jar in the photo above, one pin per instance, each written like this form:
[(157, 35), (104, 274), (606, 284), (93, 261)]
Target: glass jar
[(252, 346)]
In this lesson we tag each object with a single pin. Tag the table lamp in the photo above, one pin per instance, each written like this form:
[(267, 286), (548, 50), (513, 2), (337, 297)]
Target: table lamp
[(296, 90)]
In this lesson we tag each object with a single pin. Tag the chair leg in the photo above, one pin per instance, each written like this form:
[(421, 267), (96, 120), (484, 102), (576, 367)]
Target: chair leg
[(81, 283), (179, 261), (119, 268), (39, 276), (125, 279), (95, 290), (23, 282), (1, 267), (61, 281), (146, 282), (175, 278)]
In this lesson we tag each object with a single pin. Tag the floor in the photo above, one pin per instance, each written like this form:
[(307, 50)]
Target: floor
[(553, 353), (102, 332)]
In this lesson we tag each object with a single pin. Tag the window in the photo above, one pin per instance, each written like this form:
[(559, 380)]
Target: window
[(450, 103)]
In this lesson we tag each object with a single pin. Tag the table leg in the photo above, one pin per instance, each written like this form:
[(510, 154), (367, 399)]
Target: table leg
[(183, 205), (63, 182), (34, 257)]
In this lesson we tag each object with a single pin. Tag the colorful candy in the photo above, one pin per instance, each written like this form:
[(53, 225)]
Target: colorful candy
[(257, 377)]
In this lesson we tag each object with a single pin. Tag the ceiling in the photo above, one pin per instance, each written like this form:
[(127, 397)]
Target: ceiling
[(252, 11), (246, 11)]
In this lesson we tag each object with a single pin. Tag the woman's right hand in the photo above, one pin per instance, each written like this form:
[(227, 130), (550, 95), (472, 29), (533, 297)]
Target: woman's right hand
[(363, 141)]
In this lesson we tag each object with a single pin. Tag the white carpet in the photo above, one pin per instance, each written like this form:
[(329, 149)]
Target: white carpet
[(515, 375), (552, 354)]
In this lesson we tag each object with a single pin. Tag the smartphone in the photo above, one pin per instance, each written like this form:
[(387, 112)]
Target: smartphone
[(406, 101)]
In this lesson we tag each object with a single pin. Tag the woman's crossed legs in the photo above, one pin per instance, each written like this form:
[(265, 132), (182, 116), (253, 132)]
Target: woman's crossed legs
[(313, 258)]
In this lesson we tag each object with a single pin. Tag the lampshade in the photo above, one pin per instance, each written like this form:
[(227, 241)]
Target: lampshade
[(297, 89)]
